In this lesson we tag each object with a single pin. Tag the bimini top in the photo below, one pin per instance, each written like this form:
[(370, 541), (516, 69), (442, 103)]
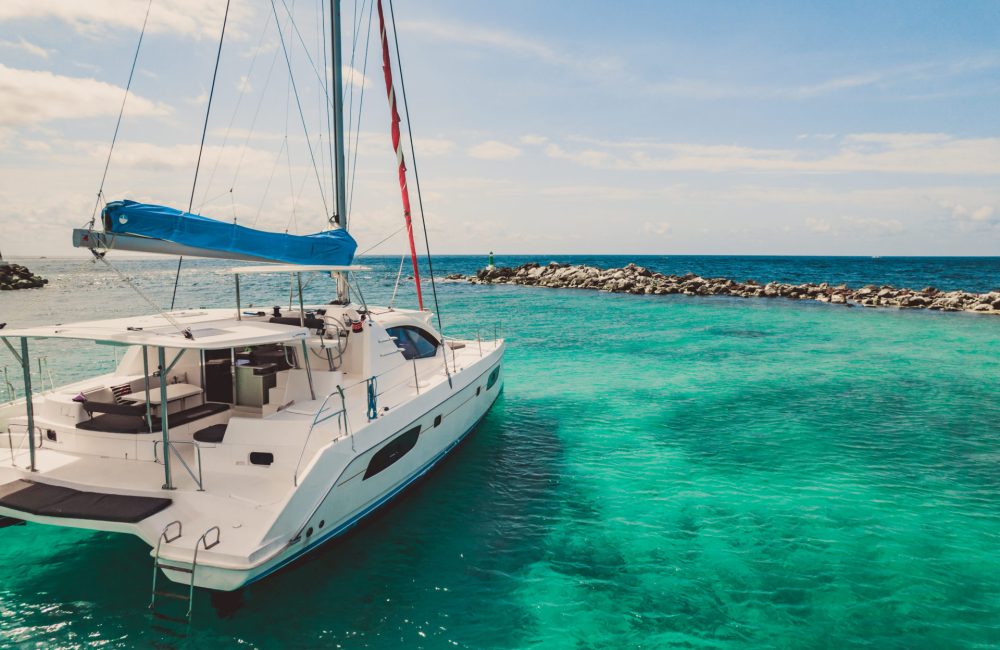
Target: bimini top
[(213, 238), (210, 329)]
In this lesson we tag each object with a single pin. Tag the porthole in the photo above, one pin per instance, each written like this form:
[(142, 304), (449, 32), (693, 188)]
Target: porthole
[(493, 378), (437, 420), (322, 522), (479, 389), (309, 531), (261, 458)]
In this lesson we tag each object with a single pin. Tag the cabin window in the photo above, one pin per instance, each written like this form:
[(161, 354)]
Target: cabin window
[(393, 451), (413, 342), (261, 458), (493, 378)]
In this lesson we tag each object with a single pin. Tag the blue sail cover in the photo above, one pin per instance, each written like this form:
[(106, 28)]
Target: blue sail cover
[(332, 247)]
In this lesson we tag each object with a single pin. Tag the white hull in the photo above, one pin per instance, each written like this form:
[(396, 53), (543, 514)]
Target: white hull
[(324, 472), (349, 500)]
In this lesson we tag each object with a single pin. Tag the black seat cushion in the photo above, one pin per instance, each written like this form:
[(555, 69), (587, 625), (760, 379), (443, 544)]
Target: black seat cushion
[(194, 413), (56, 501), (311, 323), (117, 424), (136, 423), (214, 433)]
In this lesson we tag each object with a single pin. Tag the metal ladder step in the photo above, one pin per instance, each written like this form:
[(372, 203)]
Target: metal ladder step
[(170, 567), (173, 619), (165, 536), (163, 629)]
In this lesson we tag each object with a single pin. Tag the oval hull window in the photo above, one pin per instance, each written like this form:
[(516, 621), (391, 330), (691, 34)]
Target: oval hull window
[(393, 451), (493, 378), (261, 458)]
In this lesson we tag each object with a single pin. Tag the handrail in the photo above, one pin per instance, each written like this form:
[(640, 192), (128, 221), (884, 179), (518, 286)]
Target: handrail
[(202, 541), (156, 557), (9, 387), (317, 420), (199, 480), (20, 446)]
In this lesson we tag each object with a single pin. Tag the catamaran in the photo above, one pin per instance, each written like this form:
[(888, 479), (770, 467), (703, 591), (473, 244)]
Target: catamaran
[(235, 440)]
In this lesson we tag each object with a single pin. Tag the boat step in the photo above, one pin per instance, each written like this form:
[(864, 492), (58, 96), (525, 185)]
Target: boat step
[(172, 594), (170, 567), (163, 629), (173, 619)]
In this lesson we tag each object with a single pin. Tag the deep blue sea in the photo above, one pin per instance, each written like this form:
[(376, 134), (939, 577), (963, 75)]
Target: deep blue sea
[(661, 472)]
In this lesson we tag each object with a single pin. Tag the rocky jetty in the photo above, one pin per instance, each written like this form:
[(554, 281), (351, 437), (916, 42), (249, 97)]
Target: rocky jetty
[(15, 276), (638, 280)]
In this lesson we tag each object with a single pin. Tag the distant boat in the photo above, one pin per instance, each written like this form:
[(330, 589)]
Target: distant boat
[(235, 440)]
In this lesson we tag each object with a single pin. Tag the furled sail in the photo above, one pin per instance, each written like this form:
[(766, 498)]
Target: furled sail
[(157, 229)]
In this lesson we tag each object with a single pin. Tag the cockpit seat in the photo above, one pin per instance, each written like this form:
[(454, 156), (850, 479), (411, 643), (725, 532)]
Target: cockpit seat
[(213, 434), (124, 418)]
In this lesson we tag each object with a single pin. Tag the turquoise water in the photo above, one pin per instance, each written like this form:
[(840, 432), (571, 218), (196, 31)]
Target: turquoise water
[(660, 472)]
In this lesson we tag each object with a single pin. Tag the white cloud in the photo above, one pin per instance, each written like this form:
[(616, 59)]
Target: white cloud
[(657, 229), (531, 139), (354, 77), (971, 217), (818, 225), (34, 97), (431, 146), (494, 150), (472, 35), (192, 18), (25, 46), (905, 153), (876, 227), (595, 192), (512, 43), (837, 84)]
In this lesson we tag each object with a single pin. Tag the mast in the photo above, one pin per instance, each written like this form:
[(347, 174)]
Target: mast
[(340, 211)]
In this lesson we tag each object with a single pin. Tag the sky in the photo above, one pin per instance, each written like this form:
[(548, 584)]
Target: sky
[(637, 127)]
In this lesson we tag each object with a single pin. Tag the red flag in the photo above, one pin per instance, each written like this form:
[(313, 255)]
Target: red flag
[(397, 147)]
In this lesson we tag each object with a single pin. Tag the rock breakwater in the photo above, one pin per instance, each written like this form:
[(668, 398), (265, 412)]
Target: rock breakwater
[(639, 280), (15, 276)]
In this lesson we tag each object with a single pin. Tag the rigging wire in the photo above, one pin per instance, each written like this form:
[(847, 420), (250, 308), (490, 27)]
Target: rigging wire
[(121, 112), (361, 104), (267, 188), (185, 331), (253, 123), (355, 27), (416, 174), (371, 248), (201, 147), (329, 112), (298, 103), (399, 275), (239, 100)]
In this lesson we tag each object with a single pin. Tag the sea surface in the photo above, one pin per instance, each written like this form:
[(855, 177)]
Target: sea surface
[(661, 472)]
